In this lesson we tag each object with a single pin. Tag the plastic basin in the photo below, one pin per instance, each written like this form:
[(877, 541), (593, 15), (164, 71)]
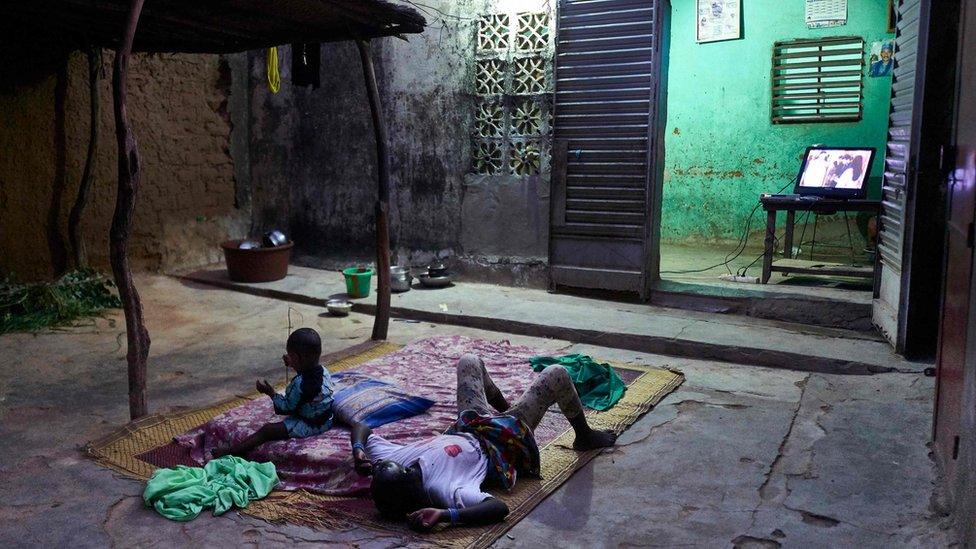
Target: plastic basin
[(256, 264)]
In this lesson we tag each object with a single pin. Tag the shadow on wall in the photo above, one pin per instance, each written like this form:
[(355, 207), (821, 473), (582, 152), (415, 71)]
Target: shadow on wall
[(313, 160)]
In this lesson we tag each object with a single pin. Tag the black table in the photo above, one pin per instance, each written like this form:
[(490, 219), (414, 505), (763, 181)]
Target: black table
[(792, 204)]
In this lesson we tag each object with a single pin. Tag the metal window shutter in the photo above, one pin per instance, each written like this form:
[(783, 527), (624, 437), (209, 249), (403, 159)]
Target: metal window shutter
[(899, 150)]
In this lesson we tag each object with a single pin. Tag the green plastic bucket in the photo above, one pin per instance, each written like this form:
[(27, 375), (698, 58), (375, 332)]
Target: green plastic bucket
[(357, 281)]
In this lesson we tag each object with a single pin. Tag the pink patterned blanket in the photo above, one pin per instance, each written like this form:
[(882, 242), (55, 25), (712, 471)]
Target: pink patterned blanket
[(323, 464)]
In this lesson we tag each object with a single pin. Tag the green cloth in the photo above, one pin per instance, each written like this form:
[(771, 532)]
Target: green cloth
[(599, 387), (183, 492)]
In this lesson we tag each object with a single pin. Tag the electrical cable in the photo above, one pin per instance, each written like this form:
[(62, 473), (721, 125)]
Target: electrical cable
[(743, 270), (739, 247), (802, 243)]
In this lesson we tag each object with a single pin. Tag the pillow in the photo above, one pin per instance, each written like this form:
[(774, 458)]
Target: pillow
[(358, 397)]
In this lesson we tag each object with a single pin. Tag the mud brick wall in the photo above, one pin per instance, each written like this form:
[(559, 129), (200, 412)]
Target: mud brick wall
[(186, 205)]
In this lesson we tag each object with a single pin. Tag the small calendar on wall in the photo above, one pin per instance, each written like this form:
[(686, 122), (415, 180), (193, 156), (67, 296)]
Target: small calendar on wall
[(826, 13)]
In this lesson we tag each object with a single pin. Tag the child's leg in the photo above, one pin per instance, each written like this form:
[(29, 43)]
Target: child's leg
[(554, 386), (475, 388), (271, 431)]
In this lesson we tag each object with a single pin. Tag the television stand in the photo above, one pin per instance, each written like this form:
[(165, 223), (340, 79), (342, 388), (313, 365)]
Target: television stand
[(791, 204)]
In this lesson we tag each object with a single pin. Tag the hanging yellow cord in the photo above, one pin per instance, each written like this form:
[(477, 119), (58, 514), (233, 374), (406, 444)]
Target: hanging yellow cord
[(274, 78)]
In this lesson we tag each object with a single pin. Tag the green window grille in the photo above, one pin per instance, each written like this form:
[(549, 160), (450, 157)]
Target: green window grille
[(817, 80)]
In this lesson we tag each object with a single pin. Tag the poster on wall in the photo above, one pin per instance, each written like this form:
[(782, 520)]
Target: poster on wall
[(821, 14), (718, 20), (882, 58)]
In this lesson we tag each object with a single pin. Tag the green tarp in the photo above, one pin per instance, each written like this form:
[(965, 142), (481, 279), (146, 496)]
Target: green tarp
[(599, 387), (183, 492)]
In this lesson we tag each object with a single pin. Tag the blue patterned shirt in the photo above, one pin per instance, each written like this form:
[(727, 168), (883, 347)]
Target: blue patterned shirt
[(308, 397)]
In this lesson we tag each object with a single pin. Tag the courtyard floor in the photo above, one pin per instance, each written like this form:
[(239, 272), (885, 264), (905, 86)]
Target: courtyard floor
[(740, 455), (703, 264)]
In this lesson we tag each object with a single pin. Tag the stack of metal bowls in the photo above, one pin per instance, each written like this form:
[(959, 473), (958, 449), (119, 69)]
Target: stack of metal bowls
[(437, 276)]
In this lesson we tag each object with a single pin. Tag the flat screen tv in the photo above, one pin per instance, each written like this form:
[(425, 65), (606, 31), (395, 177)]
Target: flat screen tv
[(835, 172)]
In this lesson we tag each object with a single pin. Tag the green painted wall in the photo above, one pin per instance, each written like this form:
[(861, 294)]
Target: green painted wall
[(721, 149)]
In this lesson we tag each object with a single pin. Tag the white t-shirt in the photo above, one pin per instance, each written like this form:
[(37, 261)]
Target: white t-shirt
[(453, 466)]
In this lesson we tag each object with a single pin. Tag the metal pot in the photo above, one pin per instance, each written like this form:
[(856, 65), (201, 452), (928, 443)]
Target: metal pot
[(437, 269), (400, 279), (274, 238)]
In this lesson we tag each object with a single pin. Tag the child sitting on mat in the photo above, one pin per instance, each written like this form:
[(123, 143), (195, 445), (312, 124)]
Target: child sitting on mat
[(307, 400)]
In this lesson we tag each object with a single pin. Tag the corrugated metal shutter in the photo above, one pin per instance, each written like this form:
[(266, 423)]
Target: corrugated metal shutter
[(604, 76), (900, 127)]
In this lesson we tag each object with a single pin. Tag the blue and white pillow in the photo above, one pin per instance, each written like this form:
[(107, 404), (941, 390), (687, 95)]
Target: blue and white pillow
[(360, 398)]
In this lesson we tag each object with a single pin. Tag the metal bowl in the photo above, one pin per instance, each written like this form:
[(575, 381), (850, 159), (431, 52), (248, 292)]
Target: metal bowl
[(435, 281), (338, 307)]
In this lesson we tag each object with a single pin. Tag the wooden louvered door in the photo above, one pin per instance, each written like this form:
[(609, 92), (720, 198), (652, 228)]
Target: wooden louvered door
[(607, 147)]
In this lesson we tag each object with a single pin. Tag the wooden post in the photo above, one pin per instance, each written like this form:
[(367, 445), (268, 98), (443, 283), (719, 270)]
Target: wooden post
[(381, 323), (74, 220), (137, 336), (55, 240)]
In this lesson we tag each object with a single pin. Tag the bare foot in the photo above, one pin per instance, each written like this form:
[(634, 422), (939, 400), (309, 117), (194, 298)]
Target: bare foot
[(593, 440)]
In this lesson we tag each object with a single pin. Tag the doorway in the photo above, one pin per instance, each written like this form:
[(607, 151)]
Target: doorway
[(728, 141)]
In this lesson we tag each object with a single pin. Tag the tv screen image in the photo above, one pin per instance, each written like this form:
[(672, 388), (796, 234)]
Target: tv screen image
[(835, 171)]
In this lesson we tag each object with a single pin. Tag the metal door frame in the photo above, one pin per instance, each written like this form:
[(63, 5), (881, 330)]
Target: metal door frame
[(655, 151)]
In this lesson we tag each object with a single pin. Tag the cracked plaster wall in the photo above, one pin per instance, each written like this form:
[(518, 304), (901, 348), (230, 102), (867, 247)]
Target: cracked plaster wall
[(312, 158), (186, 205)]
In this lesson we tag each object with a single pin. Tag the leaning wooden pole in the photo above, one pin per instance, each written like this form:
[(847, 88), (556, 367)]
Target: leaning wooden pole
[(94, 55), (381, 323), (129, 173)]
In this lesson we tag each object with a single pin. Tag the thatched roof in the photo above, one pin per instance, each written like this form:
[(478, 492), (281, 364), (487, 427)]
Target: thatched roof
[(208, 26)]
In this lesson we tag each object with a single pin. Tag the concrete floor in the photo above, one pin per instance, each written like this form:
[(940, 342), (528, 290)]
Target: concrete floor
[(701, 264), (739, 456), (678, 332)]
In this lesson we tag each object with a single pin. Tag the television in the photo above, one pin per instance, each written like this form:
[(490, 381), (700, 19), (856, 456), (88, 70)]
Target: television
[(835, 172)]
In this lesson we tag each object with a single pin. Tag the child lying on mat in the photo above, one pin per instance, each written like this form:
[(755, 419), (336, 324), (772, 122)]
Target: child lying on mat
[(307, 400), (439, 480)]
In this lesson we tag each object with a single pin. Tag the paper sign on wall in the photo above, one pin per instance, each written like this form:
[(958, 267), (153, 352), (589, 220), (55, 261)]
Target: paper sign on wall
[(718, 20), (826, 13)]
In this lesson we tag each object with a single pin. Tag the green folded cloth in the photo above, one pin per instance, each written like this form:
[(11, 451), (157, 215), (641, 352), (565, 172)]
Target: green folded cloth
[(599, 387), (183, 492)]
